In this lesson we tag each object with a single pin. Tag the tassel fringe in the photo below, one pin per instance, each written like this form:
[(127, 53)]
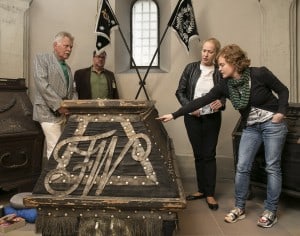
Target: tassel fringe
[(57, 226), (134, 225)]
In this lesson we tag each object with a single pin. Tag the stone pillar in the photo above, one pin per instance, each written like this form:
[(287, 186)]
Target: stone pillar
[(14, 38), (278, 41)]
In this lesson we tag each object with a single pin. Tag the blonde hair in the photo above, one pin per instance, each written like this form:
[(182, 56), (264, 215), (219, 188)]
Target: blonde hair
[(215, 42), (217, 45)]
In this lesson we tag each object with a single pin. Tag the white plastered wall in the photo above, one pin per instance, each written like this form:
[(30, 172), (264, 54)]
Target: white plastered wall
[(261, 27)]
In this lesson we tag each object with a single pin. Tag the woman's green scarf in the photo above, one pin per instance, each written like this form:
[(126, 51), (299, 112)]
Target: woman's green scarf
[(239, 90)]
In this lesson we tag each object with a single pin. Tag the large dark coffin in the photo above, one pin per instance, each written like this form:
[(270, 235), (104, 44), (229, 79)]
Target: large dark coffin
[(21, 139), (111, 173), (290, 163)]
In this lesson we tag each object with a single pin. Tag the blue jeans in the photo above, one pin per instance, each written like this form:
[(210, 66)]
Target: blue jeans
[(272, 135)]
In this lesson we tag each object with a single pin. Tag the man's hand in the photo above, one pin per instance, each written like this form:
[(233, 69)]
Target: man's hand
[(63, 111)]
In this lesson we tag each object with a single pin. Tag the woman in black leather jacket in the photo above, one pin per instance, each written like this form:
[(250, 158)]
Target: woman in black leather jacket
[(203, 125)]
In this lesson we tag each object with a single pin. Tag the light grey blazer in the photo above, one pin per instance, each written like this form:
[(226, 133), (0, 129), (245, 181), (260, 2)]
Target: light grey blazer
[(51, 88)]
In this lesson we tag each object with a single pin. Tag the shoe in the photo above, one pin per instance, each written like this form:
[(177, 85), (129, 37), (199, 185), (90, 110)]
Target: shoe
[(194, 197), (267, 219), (234, 215), (212, 206)]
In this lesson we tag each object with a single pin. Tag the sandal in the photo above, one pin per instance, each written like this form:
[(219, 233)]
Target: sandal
[(267, 219), (234, 215)]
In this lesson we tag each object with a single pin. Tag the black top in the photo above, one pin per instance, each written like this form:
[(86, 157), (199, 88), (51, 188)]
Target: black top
[(188, 80), (263, 84)]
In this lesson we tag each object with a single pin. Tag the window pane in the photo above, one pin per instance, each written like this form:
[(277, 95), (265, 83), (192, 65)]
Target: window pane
[(144, 32)]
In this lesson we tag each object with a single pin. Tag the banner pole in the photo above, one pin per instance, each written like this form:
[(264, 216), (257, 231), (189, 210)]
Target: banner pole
[(148, 69), (137, 71)]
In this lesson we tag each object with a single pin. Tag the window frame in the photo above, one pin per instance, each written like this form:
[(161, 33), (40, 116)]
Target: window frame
[(131, 39)]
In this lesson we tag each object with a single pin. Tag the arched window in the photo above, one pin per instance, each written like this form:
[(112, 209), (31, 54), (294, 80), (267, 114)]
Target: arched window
[(144, 33)]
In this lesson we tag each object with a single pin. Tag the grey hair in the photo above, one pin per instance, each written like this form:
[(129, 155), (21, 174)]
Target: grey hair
[(59, 36)]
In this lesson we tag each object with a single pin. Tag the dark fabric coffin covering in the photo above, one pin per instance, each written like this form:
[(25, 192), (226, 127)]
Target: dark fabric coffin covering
[(166, 187)]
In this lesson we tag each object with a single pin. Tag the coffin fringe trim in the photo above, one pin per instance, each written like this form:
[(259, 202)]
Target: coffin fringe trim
[(119, 227), (56, 226)]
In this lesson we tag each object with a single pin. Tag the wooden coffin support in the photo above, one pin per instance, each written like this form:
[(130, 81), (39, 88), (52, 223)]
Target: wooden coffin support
[(111, 173)]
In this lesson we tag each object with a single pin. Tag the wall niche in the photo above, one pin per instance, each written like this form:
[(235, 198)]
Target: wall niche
[(14, 30)]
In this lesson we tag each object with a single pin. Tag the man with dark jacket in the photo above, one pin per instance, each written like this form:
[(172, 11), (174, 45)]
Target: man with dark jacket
[(96, 82)]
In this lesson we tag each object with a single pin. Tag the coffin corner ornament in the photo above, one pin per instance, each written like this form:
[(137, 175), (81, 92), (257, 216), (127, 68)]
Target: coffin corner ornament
[(113, 159)]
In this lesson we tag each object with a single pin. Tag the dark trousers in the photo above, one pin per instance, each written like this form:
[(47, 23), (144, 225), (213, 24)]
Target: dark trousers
[(203, 133)]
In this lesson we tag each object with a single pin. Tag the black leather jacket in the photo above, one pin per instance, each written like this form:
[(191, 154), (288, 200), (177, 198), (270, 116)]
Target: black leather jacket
[(188, 81)]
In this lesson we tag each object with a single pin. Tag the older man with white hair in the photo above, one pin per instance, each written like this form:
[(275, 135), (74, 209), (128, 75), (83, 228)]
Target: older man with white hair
[(54, 83)]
